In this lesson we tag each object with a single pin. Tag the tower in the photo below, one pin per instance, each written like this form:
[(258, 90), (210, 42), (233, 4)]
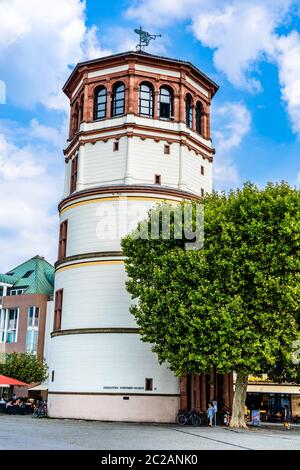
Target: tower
[(139, 134)]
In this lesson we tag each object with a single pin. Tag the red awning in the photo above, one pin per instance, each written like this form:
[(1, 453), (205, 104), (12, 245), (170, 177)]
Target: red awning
[(9, 381)]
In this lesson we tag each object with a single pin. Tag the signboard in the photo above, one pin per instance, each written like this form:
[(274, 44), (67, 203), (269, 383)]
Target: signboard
[(256, 417)]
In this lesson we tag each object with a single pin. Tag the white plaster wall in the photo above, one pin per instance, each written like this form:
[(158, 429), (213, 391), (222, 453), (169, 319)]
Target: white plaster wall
[(197, 86), (107, 363), (99, 225), (157, 70), (48, 329), (192, 172), (159, 124), (77, 88), (107, 71), (102, 165), (95, 297), (156, 409), (137, 162), (148, 159), (67, 179)]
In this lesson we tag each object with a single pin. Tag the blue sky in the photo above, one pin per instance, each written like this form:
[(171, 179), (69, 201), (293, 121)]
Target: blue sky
[(251, 48)]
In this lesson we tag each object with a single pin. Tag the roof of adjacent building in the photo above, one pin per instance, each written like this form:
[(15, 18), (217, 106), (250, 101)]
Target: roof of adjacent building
[(36, 276), (141, 54)]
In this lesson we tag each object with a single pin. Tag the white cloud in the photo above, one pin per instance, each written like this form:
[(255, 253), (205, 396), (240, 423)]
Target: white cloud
[(231, 123), (288, 59), (91, 46), (123, 39), (39, 43), (46, 136), (2, 92), (31, 181), (28, 219), (57, 137), (17, 162), (157, 13), (241, 33), (39, 40)]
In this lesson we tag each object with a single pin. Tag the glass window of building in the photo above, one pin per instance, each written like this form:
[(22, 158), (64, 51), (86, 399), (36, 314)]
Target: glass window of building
[(2, 325), (12, 324), (146, 100), (118, 100), (199, 118), (100, 103), (165, 103), (188, 111), (32, 330)]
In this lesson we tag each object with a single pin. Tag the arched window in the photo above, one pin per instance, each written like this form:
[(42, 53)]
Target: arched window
[(76, 118), (100, 103), (81, 109), (199, 118), (146, 100), (118, 100), (165, 103), (188, 111)]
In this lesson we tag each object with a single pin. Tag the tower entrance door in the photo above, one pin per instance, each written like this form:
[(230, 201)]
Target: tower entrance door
[(198, 390)]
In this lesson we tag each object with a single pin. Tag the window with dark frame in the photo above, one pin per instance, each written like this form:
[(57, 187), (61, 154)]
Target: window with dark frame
[(76, 118), (167, 149), (62, 244), (116, 146), (15, 291), (118, 100), (100, 103), (188, 111), (27, 274), (148, 385), (202, 170), (74, 174), (202, 192), (11, 325), (58, 309), (81, 109), (146, 100), (157, 179), (32, 330), (165, 103), (199, 118)]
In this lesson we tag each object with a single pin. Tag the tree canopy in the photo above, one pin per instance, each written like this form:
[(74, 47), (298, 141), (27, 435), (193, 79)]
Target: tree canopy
[(24, 367), (234, 303)]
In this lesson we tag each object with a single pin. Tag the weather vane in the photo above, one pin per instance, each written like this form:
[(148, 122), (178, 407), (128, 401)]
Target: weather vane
[(145, 38)]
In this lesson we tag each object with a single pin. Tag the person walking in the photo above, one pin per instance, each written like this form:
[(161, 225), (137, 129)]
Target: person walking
[(210, 414), (287, 418)]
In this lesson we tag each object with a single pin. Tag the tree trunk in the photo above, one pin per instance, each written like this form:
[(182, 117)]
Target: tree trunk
[(239, 399)]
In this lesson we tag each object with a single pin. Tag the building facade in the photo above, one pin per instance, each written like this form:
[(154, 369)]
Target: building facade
[(24, 294), (139, 135)]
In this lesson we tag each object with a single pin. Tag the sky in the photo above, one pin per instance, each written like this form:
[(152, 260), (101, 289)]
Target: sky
[(251, 48)]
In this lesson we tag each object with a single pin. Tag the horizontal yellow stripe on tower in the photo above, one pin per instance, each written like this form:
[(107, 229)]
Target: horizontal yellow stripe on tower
[(89, 263), (119, 198)]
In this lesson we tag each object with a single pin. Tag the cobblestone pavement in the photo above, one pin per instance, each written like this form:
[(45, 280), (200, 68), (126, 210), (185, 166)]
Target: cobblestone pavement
[(23, 432)]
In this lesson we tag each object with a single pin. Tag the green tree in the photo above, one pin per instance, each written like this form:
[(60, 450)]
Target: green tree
[(231, 305), (24, 367)]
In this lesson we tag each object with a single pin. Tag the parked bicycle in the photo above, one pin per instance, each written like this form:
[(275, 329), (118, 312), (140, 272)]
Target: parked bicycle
[(40, 411), (189, 417)]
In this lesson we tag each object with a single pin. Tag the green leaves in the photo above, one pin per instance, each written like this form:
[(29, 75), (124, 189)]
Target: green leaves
[(235, 303), (24, 367)]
